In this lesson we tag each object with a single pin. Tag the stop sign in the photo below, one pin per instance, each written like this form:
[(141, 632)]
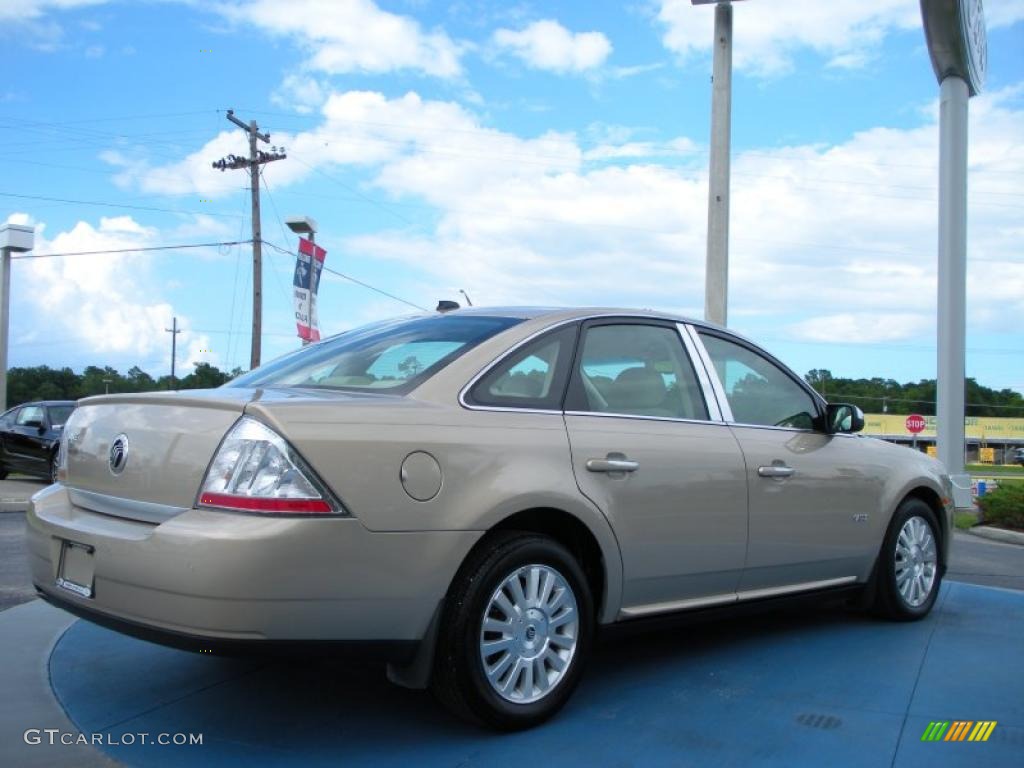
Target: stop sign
[(915, 423)]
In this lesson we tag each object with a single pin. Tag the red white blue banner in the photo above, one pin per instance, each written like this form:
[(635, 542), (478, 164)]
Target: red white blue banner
[(306, 283)]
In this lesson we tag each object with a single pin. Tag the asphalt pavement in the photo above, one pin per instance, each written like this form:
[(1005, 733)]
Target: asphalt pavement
[(15, 582)]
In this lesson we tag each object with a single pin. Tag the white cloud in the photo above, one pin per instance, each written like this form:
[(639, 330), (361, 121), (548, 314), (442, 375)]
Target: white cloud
[(343, 36), (27, 10), (299, 92), (766, 35), (818, 231), (31, 21), (863, 327), (102, 303), (548, 45)]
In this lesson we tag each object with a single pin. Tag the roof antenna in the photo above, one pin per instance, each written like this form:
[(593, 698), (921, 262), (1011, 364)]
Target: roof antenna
[(446, 306), (469, 301)]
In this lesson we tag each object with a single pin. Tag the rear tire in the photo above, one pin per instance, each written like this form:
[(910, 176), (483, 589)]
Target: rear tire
[(521, 668), (909, 566)]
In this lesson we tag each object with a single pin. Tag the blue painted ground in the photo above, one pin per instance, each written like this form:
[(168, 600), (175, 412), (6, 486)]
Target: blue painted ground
[(830, 687)]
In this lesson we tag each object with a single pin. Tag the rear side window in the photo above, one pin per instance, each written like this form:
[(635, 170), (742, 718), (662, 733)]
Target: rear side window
[(532, 377)]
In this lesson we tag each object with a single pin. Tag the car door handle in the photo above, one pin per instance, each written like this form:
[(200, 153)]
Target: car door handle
[(612, 465), (776, 470)]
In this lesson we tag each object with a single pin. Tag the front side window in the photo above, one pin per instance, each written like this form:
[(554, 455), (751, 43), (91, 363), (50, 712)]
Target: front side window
[(758, 391), (637, 370), (532, 377), (393, 356)]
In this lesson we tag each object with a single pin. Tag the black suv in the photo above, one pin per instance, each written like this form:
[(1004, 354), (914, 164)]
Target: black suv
[(30, 437)]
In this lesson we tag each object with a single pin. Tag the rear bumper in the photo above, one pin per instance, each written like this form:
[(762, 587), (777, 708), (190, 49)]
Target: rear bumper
[(217, 580)]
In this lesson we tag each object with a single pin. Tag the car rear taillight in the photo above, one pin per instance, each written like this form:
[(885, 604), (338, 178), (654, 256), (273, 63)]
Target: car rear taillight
[(255, 470)]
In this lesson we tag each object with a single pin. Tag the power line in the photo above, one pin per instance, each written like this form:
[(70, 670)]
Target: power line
[(105, 204), (140, 249), (351, 279)]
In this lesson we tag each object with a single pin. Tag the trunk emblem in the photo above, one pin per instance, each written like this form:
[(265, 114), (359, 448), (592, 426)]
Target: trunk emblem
[(118, 454)]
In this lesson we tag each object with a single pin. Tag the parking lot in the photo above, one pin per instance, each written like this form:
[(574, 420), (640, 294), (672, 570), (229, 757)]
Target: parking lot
[(792, 688)]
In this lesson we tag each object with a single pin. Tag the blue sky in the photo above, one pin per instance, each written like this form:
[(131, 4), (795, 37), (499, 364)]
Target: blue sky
[(529, 153)]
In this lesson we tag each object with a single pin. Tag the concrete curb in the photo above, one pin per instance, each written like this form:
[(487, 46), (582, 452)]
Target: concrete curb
[(28, 634), (997, 534)]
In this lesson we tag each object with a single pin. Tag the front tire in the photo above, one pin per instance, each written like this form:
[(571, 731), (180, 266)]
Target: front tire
[(909, 568), (516, 630)]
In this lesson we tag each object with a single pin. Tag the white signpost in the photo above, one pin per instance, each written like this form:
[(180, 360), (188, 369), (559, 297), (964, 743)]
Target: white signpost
[(955, 30)]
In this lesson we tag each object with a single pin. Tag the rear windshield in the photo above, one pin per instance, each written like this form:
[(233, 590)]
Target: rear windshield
[(394, 356)]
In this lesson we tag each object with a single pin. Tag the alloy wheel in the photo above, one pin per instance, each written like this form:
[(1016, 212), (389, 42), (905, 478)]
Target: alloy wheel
[(916, 561), (529, 633)]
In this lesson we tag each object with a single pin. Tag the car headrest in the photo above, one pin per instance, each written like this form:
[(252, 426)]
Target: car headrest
[(637, 388)]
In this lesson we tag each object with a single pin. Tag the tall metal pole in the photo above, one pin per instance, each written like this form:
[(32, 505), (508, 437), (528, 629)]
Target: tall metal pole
[(716, 279), (952, 326), (5, 309), (14, 238), (257, 250)]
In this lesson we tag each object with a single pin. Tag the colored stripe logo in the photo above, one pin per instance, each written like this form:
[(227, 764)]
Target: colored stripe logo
[(959, 730)]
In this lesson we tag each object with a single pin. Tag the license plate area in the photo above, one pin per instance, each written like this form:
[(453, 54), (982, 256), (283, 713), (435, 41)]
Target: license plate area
[(75, 572)]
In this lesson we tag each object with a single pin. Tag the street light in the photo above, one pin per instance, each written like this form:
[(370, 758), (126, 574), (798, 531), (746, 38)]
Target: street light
[(304, 225), (716, 276), (14, 238), (957, 43)]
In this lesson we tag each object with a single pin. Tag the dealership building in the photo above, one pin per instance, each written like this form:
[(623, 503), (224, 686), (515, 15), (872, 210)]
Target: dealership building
[(989, 439)]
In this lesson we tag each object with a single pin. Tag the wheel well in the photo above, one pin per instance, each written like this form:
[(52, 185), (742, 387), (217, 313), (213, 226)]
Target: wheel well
[(932, 499), (571, 533)]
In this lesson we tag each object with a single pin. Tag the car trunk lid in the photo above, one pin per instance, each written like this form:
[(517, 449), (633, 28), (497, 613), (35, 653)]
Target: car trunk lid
[(143, 456)]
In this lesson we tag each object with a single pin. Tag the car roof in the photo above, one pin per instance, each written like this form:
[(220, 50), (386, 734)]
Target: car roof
[(576, 313)]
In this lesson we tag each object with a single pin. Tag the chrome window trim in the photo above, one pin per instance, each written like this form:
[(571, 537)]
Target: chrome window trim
[(709, 371), (518, 345), (774, 428), (605, 415), (711, 403), (650, 609)]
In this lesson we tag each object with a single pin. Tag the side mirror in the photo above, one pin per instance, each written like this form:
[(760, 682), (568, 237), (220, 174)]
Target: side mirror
[(34, 423), (844, 418)]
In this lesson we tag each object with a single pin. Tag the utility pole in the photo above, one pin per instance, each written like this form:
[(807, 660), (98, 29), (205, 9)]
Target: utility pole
[(253, 162), (174, 331), (716, 279)]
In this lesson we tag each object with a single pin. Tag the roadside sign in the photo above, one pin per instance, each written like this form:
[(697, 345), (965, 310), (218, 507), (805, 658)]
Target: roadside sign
[(915, 423)]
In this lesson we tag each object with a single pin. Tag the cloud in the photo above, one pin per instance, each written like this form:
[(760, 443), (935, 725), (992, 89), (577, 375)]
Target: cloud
[(767, 35), (30, 21), (863, 327), (299, 92), (549, 46), (819, 232), (101, 304), (343, 36)]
